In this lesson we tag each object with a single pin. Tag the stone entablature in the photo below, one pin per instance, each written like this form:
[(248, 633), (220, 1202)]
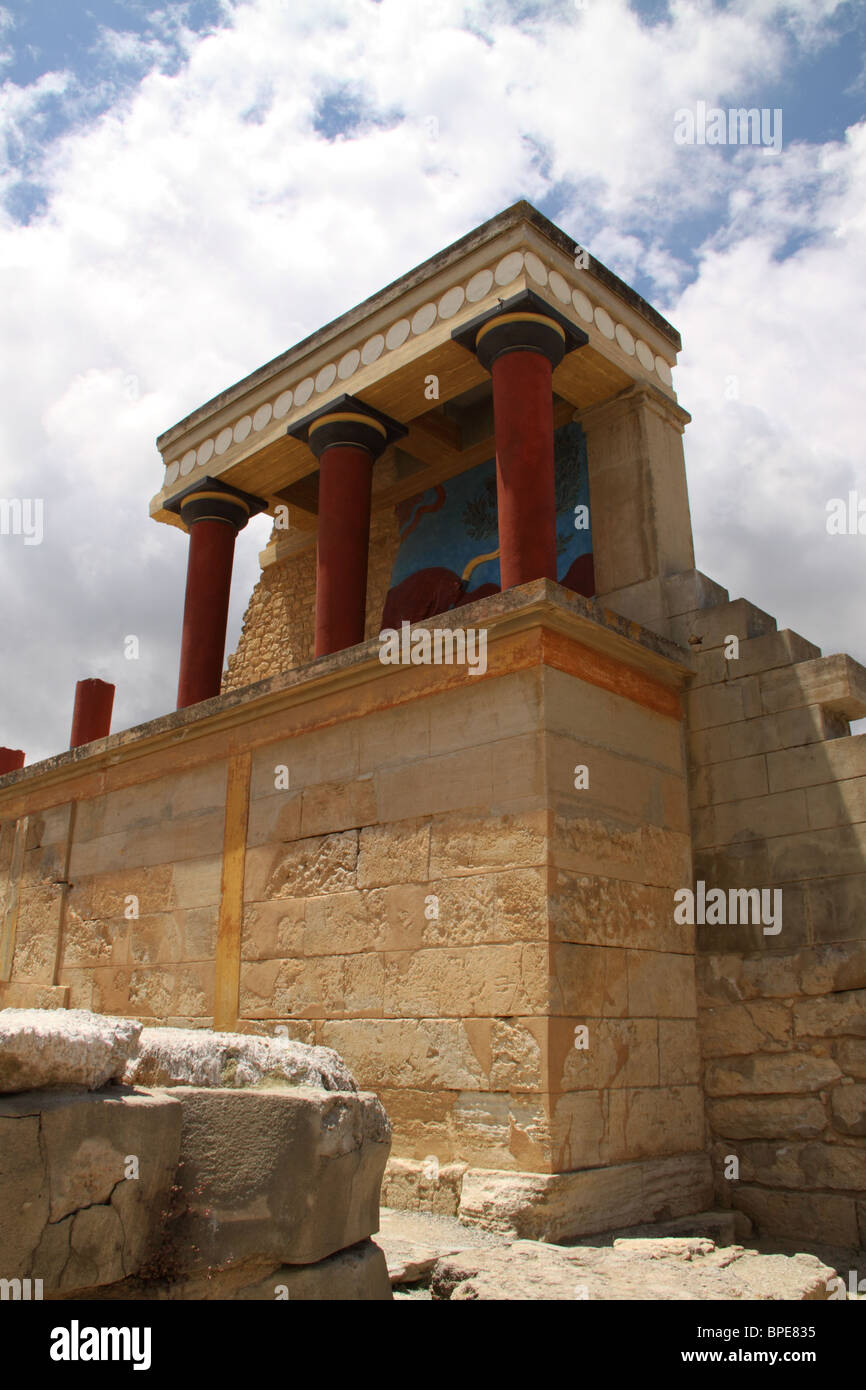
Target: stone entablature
[(383, 350)]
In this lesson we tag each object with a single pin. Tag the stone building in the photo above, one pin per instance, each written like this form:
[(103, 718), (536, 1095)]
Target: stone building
[(507, 873)]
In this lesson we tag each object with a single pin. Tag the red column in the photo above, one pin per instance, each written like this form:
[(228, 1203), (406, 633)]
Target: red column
[(206, 609), (91, 715), (346, 436), (520, 342), (345, 483), (10, 760), (525, 483)]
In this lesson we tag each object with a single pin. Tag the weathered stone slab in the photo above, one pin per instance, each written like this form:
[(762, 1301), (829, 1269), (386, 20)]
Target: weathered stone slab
[(60, 1048), (84, 1181), (558, 1206), (292, 1175), (675, 1268), (198, 1057), (359, 1274)]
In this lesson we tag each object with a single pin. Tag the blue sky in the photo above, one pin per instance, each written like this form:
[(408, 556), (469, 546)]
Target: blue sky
[(188, 189)]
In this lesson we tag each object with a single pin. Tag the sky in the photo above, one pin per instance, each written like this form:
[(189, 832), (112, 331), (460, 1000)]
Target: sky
[(188, 189)]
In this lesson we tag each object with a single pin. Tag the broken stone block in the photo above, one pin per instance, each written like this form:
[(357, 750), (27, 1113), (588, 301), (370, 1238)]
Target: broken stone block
[(61, 1048), (85, 1181), (198, 1057), (292, 1175)]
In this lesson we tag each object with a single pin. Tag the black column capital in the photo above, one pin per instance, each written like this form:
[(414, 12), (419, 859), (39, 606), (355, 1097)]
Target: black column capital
[(523, 323), (208, 499), (346, 420)]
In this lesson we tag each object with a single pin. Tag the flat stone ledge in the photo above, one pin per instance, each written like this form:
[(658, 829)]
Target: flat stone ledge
[(198, 1057), (61, 1048)]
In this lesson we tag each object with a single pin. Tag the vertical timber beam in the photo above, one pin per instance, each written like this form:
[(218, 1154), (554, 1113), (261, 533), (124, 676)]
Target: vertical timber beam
[(231, 914)]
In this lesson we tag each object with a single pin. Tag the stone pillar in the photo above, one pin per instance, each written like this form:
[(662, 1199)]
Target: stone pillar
[(641, 528), (520, 342), (213, 513), (11, 759), (91, 714), (346, 437)]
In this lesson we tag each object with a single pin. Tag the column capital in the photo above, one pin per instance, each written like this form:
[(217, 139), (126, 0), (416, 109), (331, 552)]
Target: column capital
[(347, 421), (523, 323), (208, 499)]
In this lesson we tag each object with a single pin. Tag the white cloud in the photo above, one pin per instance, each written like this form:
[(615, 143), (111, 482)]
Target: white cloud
[(202, 225)]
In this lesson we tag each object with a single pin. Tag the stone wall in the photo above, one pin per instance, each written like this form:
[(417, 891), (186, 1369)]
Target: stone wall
[(279, 624), (779, 801), (418, 883)]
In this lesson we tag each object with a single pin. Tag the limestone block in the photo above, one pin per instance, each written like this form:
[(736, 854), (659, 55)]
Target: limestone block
[(274, 819), (600, 717), (833, 969), (836, 908), (833, 1016), (851, 1056), (462, 844), (768, 1117), (588, 909), (476, 981), (836, 683), (759, 817), (661, 985), (679, 1052), (717, 783), (423, 1185), (199, 1057), (395, 853), (714, 625), (356, 1275), (62, 1048), (818, 853), (773, 650), (588, 981), (559, 1206), (322, 864), (849, 1110), (434, 1052), (667, 1268), (800, 1166), (654, 1120), (837, 803), (646, 854), (486, 712), (452, 782), (742, 1029), (335, 806), (397, 735), (777, 1074), (274, 930), (690, 590), (84, 1180), (817, 763), (193, 836), (619, 1052), (631, 791), (293, 1175), (829, 1219)]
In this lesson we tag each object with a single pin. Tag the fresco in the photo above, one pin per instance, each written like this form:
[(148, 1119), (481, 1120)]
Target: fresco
[(449, 546)]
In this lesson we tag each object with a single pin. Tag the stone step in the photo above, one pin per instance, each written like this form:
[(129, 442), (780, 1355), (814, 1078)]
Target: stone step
[(836, 683), (713, 626), (755, 656)]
